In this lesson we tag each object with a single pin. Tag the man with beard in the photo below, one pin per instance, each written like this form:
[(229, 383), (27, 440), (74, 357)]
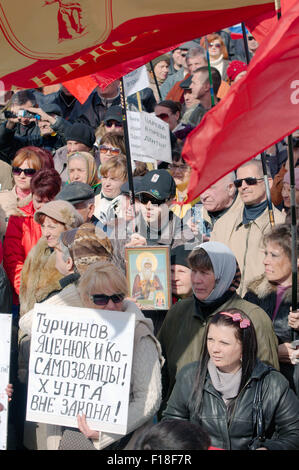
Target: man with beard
[(146, 282)]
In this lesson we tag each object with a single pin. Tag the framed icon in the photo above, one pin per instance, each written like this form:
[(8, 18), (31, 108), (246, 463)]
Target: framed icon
[(148, 275)]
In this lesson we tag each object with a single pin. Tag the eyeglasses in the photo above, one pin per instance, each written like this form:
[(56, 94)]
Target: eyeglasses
[(102, 299), (250, 181), (163, 115), (178, 167), (250, 38), (112, 150), (113, 123), (145, 198), (183, 54), (215, 45), (27, 171)]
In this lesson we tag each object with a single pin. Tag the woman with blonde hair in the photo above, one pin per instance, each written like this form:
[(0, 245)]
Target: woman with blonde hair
[(103, 286), (111, 145), (82, 167)]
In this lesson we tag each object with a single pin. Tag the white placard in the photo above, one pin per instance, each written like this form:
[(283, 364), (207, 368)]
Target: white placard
[(155, 137), (149, 137), (80, 363), (5, 346), (136, 81)]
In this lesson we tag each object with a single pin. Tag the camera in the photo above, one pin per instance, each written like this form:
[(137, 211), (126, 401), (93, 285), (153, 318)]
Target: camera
[(25, 113), (9, 114)]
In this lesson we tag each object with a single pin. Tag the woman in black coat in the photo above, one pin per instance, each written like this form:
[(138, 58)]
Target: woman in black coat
[(229, 388), (273, 293)]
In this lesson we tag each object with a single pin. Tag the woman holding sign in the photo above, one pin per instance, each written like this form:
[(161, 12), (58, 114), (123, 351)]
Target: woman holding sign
[(103, 286)]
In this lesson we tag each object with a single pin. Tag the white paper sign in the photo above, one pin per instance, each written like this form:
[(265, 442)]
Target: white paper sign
[(136, 81), (80, 363), (5, 345), (149, 137)]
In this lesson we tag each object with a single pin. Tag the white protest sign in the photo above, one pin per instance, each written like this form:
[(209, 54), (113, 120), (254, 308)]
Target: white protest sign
[(80, 363), (155, 137), (135, 81), (134, 129), (5, 345)]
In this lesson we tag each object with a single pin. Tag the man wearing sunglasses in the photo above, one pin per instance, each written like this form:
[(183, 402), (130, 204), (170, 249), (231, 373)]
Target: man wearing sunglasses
[(244, 230), (157, 224)]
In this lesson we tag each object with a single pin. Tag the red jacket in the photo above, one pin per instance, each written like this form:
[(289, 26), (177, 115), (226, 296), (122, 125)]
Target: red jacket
[(21, 235)]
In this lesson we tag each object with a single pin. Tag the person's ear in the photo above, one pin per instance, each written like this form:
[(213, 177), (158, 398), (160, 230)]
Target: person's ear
[(69, 264), (231, 189), (91, 208)]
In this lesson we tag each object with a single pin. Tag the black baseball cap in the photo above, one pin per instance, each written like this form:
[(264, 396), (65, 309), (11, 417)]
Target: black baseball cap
[(186, 83), (159, 184), (114, 113)]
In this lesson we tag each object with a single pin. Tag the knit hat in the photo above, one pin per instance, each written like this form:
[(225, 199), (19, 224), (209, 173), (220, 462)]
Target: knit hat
[(286, 178), (75, 193), (179, 255), (61, 211), (81, 133), (87, 244), (234, 68)]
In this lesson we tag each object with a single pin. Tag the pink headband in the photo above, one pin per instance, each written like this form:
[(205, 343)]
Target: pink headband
[(244, 323)]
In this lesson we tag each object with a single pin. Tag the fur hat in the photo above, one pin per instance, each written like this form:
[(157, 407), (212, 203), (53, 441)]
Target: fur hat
[(87, 244), (61, 211)]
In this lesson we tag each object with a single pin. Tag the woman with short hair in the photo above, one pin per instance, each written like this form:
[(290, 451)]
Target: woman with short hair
[(103, 286), (240, 402)]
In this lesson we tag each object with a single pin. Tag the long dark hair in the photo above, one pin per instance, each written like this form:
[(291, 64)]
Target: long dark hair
[(246, 336)]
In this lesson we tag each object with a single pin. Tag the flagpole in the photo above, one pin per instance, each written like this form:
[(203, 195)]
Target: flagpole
[(127, 144), (156, 81), (210, 74), (278, 9), (263, 156)]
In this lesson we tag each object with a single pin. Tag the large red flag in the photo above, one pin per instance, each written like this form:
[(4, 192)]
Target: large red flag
[(51, 41), (259, 110)]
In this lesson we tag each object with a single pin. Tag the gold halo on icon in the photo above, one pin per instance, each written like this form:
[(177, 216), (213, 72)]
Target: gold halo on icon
[(151, 257)]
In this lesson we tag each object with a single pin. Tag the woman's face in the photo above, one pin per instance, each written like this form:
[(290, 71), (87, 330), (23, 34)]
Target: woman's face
[(166, 115), (22, 181), (161, 70), (78, 170), (110, 305), (278, 266), (215, 49), (180, 172), (111, 184), (224, 349), (203, 282), (286, 195), (51, 230), (107, 151)]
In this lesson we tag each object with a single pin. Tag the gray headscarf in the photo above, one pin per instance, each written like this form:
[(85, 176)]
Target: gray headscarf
[(224, 266)]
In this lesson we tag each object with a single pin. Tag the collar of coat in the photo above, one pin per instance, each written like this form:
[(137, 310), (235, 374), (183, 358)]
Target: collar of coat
[(261, 287)]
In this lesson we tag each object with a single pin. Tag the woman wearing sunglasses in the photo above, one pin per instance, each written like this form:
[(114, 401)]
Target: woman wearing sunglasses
[(111, 145), (218, 53), (25, 164)]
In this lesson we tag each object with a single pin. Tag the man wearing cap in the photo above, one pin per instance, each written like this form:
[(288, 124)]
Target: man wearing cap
[(81, 196), (157, 224), (113, 120)]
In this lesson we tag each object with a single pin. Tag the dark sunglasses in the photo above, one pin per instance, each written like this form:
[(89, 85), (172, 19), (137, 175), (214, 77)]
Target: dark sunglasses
[(183, 54), (27, 171), (145, 198), (250, 181), (163, 115), (250, 38), (115, 123), (112, 150), (102, 299), (215, 45)]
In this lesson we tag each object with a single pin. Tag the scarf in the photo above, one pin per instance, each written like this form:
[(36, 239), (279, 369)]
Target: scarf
[(226, 384), (253, 212)]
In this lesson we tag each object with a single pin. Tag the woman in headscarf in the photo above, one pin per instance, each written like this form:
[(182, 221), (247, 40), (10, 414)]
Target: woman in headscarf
[(215, 277), (82, 167)]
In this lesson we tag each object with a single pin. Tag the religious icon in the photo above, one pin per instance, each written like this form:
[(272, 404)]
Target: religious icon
[(148, 274)]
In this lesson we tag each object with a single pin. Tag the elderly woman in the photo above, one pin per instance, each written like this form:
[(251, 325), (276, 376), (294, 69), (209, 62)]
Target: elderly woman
[(26, 163), (218, 53), (104, 287), (82, 167), (273, 293), (161, 67), (39, 275), (223, 391), (215, 277), (23, 232)]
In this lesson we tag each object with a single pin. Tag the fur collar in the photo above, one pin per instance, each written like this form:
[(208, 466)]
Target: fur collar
[(261, 287)]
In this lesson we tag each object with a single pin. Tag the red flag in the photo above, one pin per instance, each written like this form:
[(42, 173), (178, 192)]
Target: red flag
[(58, 40), (259, 110)]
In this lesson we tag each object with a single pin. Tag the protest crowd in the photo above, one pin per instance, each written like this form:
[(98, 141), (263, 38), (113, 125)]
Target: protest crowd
[(213, 360)]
